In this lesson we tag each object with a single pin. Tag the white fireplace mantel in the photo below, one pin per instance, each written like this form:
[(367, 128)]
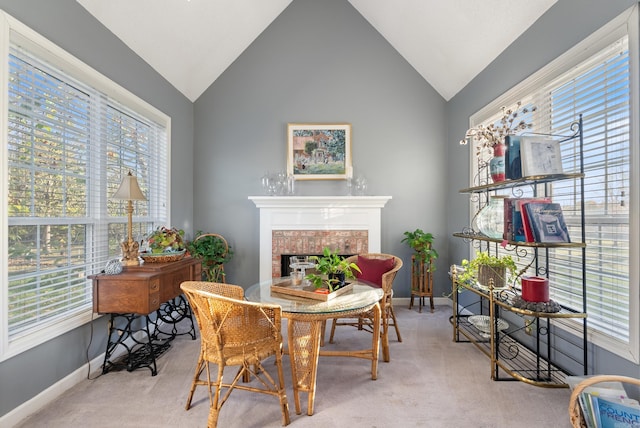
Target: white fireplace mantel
[(317, 213)]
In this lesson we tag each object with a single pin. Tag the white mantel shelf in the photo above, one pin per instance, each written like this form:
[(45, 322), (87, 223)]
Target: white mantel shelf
[(320, 201), (317, 213)]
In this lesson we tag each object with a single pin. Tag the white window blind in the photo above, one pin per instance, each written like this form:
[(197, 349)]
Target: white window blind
[(68, 147), (599, 90), (592, 80)]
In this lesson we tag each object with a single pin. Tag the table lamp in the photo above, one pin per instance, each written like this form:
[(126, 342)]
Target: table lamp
[(129, 191)]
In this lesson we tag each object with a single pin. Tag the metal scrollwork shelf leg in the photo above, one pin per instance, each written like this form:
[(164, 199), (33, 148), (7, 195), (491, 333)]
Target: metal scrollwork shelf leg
[(129, 346), (167, 318)]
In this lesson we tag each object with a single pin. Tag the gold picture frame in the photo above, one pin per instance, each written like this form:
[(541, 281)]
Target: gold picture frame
[(319, 151)]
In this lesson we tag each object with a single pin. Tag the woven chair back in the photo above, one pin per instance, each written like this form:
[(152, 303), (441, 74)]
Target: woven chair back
[(230, 327)]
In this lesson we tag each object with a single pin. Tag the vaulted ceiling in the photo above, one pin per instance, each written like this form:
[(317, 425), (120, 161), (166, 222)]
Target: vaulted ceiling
[(447, 41)]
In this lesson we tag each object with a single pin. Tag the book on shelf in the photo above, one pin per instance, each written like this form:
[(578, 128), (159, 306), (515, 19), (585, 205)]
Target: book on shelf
[(540, 156), (527, 233), (547, 222), (509, 204), (515, 219), (512, 163)]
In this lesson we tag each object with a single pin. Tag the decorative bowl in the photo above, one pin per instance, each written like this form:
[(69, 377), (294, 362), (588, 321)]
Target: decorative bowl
[(165, 257), (482, 323)]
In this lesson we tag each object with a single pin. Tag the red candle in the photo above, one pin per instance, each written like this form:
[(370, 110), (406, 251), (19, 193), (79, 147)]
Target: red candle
[(535, 289)]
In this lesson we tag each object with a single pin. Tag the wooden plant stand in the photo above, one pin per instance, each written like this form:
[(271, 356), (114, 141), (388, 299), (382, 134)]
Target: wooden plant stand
[(421, 282)]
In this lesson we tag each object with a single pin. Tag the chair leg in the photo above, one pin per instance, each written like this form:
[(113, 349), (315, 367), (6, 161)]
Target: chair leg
[(212, 420), (333, 330), (196, 380), (322, 329), (385, 341), (395, 322), (282, 394), (214, 409)]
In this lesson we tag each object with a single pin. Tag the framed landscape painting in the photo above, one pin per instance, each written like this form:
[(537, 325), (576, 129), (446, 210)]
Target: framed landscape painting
[(319, 151)]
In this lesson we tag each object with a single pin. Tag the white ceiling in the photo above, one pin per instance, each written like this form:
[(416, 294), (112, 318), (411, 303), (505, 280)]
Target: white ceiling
[(447, 41)]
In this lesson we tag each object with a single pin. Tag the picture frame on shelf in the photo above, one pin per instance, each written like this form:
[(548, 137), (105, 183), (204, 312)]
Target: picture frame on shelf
[(540, 156), (319, 151)]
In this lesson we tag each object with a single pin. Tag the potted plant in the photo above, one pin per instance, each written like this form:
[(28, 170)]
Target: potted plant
[(486, 267), (166, 240), (422, 244), (333, 270), (164, 245), (214, 251)]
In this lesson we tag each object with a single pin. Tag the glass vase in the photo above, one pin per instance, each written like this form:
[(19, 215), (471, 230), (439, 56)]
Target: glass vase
[(490, 219)]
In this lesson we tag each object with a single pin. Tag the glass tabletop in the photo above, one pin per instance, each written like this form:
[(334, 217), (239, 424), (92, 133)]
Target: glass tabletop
[(361, 296)]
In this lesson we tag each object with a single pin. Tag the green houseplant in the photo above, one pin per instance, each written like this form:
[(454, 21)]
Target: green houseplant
[(333, 270), (166, 240), (502, 269), (214, 251), (422, 244)]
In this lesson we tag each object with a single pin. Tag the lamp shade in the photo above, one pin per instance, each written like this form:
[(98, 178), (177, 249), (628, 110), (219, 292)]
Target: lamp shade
[(129, 189)]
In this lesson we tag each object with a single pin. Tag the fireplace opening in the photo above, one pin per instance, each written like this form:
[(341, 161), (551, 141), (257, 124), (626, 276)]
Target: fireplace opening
[(285, 261)]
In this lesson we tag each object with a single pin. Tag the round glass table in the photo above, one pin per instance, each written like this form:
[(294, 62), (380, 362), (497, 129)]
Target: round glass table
[(306, 320)]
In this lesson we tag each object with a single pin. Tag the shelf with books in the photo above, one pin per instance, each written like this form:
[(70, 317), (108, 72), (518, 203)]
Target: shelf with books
[(534, 230), (479, 237), (524, 181)]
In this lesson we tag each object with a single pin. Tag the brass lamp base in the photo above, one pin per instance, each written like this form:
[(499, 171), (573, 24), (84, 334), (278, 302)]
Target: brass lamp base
[(130, 253)]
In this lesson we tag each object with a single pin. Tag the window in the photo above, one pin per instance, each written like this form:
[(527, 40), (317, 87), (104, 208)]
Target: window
[(71, 137), (593, 80)]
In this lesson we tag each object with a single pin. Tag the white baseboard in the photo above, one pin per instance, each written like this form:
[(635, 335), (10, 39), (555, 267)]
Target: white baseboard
[(404, 301)]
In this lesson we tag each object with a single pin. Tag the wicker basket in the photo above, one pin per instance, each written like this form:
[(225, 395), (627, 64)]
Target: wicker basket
[(575, 413), (163, 257), (486, 273)]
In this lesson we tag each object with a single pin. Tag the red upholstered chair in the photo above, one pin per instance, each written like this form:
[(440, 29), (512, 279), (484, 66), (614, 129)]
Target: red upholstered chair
[(380, 269)]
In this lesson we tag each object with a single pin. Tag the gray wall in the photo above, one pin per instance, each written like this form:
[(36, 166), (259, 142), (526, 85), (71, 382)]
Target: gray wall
[(564, 25), (320, 61), (71, 27)]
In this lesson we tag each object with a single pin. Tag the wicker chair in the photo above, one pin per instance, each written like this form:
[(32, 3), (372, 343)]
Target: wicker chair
[(235, 332), (575, 413), (227, 290), (386, 305)]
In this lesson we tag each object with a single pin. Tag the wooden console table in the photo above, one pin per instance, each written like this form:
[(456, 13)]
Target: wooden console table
[(131, 297)]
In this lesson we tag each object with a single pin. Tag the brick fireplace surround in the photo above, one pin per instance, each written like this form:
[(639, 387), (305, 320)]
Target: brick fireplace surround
[(307, 224)]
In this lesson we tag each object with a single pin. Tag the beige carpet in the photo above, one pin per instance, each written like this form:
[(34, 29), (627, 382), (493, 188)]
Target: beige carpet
[(430, 382)]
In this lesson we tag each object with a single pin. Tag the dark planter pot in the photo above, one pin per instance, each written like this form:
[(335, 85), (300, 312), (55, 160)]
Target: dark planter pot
[(337, 279)]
